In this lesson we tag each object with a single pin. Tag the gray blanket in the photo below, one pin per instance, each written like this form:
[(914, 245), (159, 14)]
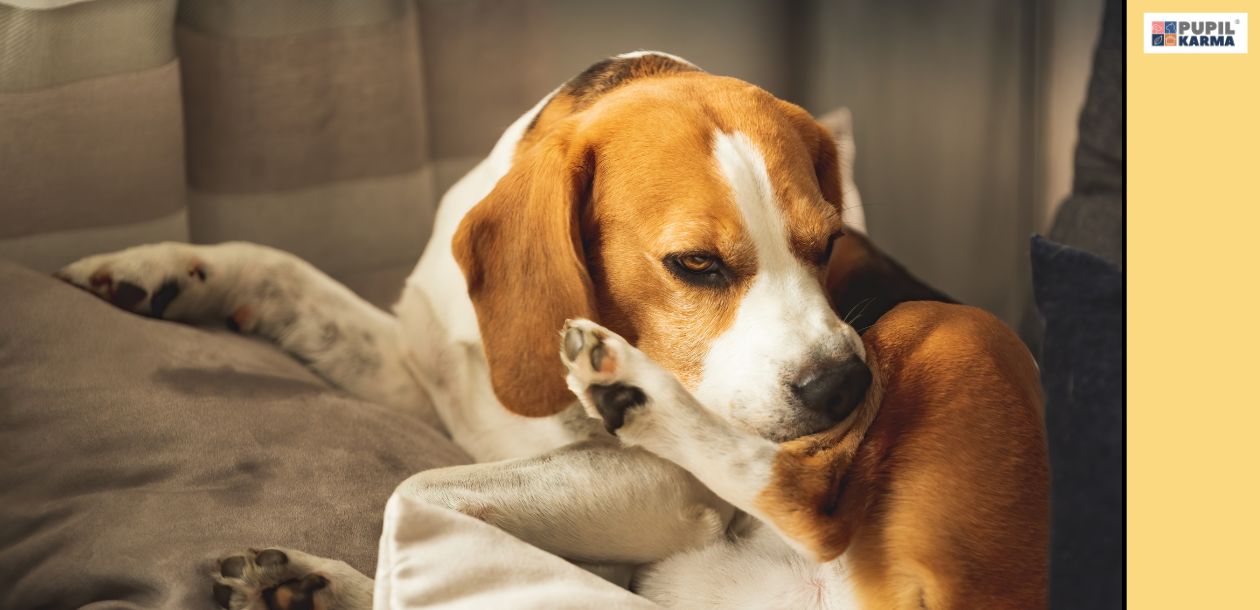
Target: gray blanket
[(135, 451)]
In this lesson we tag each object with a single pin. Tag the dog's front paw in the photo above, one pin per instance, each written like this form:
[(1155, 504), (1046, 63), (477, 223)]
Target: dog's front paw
[(144, 279), (276, 579), (609, 376)]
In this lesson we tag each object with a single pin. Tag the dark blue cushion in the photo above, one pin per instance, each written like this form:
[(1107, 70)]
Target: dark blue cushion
[(1081, 299)]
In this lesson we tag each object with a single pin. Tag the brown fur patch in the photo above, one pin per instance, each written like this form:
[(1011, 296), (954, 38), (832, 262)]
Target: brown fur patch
[(810, 243), (946, 499)]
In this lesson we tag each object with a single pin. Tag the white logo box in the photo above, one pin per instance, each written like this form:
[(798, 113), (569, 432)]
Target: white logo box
[(1237, 21)]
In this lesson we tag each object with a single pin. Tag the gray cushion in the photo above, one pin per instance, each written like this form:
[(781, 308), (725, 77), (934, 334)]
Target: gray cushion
[(137, 450)]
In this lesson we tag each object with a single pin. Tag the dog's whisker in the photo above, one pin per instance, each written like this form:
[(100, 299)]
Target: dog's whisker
[(866, 303), (853, 316)]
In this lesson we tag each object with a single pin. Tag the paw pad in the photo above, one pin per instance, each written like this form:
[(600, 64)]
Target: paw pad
[(126, 295), (295, 594), (232, 567), (272, 557), (614, 400), (572, 343), (269, 575), (583, 336), (222, 595), (143, 280), (597, 362), (163, 297)]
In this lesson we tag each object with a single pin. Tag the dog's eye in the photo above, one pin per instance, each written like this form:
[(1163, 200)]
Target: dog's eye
[(831, 245), (698, 263), (698, 268)]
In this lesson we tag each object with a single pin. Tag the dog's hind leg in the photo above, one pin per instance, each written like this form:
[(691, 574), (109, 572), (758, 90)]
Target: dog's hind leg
[(265, 292)]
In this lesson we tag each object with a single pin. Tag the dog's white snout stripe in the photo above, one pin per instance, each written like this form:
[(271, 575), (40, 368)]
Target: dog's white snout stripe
[(784, 320)]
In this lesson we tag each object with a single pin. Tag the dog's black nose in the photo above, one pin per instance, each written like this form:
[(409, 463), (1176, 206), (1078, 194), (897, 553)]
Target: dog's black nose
[(834, 389)]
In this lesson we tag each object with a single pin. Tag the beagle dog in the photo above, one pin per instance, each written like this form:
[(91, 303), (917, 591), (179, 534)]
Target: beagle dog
[(676, 228)]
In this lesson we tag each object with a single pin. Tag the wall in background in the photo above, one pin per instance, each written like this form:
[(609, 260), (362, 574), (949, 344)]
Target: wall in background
[(1067, 31), (941, 95), (965, 112), (488, 61)]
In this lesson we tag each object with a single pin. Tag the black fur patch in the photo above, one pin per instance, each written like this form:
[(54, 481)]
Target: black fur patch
[(608, 74)]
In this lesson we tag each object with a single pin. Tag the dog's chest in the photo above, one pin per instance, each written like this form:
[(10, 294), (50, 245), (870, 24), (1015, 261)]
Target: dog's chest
[(756, 571)]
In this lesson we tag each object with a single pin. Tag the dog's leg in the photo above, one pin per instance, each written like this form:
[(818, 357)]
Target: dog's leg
[(265, 292), (284, 579), (646, 406), (593, 501)]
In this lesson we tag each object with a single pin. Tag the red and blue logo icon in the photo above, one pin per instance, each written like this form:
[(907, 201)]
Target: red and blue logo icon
[(1163, 33)]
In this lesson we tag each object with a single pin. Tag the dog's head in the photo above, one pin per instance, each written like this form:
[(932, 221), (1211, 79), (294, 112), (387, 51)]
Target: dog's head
[(692, 214)]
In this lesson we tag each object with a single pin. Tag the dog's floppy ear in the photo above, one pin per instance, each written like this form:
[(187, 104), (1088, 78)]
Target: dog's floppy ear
[(520, 249), (820, 142), (827, 167)]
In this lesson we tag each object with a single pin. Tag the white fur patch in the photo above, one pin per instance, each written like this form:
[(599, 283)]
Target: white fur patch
[(785, 317), (754, 571), (636, 54), (440, 327)]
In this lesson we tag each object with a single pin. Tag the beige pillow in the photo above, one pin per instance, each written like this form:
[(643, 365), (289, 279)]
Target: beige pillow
[(840, 122)]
